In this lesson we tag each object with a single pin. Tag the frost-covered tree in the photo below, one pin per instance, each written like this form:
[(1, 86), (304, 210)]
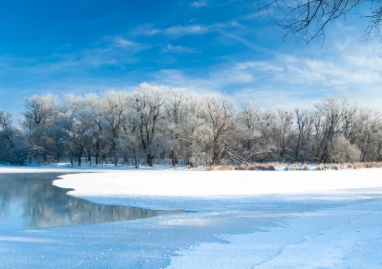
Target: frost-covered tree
[(114, 106), (40, 114), (147, 106), (248, 124), (342, 151), (159, 124), (12, 146), (283, 133), (303, 135), (219, 116)]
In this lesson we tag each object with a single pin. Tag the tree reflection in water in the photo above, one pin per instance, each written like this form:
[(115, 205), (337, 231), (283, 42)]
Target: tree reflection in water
[(30, 201)]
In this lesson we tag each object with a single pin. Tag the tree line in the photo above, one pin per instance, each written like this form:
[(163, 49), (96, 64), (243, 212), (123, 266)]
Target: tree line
[(152, 123)]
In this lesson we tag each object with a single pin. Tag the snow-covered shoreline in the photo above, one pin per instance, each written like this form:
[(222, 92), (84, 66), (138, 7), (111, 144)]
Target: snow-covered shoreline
[(220, 183), (124, 181)]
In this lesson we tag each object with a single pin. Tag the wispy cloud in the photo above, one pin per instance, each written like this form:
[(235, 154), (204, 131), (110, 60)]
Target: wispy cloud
[(178, 49), (290, 80), (258, 65), (109, 51), (222, 78), (199, 4), (123, 43), (173, 30), (181, 30), (152, 31), (236, 24), (177, 78), (245, 42), (245, 85), (341, 73)]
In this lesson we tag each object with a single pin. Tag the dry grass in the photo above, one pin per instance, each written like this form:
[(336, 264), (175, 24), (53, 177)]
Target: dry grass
[(296, 166)]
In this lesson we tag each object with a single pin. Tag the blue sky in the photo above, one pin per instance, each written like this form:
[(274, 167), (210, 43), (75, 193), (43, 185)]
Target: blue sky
[(79, 46)]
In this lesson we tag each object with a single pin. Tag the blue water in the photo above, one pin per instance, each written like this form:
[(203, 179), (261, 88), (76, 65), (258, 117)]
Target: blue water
[(30, 201)]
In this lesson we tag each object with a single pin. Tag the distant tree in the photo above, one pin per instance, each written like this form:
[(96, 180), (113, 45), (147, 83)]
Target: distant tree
[(175, 113), (284, 133), (343, 151), (115, 111), (147, 104), (40, 114), (249, 125), (12, 146), (219, 115), (302, 135), (160, 124)]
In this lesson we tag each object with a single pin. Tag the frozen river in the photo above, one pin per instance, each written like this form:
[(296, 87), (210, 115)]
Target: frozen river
[(30, 201), (100, 230)]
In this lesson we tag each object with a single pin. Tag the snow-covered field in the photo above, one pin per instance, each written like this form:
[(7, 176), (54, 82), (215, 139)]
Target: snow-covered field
[(237, 219)]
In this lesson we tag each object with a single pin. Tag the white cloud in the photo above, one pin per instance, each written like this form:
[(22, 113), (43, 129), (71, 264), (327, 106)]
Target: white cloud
[(236, 24), (176, 78), (199, 4), (220, 79), (258, 65), (182, 30), (174, 30), (270, 98), (339, 73), (123, 43), (178, 49), (290, 80), (109, 51), (153, 31)]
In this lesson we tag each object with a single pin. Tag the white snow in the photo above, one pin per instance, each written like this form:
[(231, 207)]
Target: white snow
[(337, 238), (220, 183), (241, 219)]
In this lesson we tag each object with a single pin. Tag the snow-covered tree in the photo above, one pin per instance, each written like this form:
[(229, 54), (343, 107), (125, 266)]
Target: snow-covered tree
[(154, 123), (12, 144), (147, 105)]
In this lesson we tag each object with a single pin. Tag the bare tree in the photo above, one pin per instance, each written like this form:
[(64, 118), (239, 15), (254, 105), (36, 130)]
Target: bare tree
[(283, 133), (218, 115), (40, 115), (308, 19), (162, 124), (114, 109), (303, 134), (147, 105), (12, 144)]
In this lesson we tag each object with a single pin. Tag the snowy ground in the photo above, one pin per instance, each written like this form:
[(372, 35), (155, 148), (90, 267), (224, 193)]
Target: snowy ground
[(237, 219)]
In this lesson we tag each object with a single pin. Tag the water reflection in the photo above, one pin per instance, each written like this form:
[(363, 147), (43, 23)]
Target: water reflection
[(30, 201)]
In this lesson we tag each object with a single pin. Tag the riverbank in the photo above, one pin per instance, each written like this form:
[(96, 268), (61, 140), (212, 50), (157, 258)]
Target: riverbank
[(220, 183), (276, 166)]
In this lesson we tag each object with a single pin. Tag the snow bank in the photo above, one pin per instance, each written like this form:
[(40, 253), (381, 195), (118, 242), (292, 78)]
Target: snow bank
[(220, 183)]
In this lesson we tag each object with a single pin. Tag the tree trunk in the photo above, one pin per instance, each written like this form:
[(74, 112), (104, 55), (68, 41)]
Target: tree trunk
[(80, 158), (174, 158), (97, 153), (150, 159)]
